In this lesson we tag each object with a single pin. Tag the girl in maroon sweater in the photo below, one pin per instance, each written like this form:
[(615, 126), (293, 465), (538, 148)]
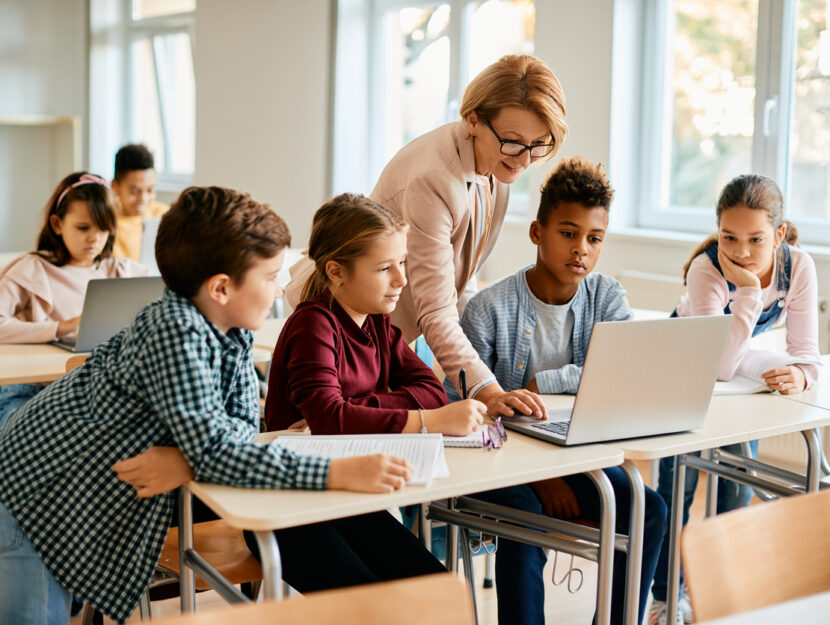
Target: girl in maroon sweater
[(339, 363)]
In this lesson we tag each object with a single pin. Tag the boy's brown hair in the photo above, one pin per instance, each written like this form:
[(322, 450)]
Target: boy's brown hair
[(575, 179), (213, 230)]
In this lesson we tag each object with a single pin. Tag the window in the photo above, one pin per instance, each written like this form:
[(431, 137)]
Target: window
[(148, 45), (735, 86), (420, 57)]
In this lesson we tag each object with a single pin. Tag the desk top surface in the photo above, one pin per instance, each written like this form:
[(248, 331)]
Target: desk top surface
[(32, 363), (730, 419), (472, 470), (819, 395), (810, 610)]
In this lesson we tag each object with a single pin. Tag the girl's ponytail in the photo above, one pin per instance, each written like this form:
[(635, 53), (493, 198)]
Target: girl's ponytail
[(700, 249), (791, 233)]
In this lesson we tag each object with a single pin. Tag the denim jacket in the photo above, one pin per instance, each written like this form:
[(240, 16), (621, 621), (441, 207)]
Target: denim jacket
[(500, 322)]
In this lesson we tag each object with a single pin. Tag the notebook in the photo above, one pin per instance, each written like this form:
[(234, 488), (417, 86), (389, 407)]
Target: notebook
[(110, 305), (424, 452), (640, 378), (753, 365)]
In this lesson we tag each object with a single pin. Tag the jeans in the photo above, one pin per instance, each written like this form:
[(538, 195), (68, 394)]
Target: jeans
[(29, 594), (520, 584), (731, 496), (13, 396)]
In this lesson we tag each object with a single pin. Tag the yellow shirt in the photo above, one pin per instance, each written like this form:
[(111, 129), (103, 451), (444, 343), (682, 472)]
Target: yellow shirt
[(129, 229)]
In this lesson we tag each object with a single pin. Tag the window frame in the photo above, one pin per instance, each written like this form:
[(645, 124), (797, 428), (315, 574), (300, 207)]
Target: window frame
[(773, 107)]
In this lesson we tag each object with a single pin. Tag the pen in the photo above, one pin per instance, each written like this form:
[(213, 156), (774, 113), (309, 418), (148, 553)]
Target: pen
[(462, 381)]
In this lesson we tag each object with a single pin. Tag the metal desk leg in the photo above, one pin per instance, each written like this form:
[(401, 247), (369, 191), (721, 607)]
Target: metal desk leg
[(634, 551), (711, 488), (451, 558), (607, 533), (467, 557), (269, 554), (187, 578), (814, 458), (675, 527)]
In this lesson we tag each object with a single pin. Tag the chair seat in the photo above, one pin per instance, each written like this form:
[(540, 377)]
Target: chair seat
[(221, 545)]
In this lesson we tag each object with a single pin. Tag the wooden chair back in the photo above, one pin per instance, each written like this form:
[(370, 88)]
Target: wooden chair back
[(440, 599), (75, 361), (758, 556)]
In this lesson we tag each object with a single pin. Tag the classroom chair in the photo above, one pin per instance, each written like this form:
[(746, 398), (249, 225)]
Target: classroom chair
[(758, 556), (439, 599)]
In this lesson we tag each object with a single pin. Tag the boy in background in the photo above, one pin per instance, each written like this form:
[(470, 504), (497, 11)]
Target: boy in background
[(532, 330), (134, 184)]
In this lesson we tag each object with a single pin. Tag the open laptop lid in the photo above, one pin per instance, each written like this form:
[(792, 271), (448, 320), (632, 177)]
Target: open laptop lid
[(149, 230), (643, 378), (110, 305)]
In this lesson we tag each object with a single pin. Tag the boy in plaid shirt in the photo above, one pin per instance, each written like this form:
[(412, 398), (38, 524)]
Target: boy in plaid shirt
[(179, 381)]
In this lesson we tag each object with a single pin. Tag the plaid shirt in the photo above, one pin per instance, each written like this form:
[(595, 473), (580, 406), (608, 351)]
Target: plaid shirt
[(170, 378)]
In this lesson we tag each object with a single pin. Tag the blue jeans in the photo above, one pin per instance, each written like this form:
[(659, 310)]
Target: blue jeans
[(520, 584), (29, 595), (13, 396), (731, 496)]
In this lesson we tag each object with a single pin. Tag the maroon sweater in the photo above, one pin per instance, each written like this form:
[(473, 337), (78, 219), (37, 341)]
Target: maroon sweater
[(343, 379)]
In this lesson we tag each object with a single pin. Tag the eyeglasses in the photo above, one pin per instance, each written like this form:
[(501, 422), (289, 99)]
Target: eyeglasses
[(516, 148), (494, 436)]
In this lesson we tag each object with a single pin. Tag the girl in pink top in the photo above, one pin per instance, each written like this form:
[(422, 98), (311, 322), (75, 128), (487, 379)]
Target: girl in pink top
[(42, 292), (752, 269)]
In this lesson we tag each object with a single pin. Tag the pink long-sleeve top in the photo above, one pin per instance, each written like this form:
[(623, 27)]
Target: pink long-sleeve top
[(708, 294), (345, 379), (36, 295)]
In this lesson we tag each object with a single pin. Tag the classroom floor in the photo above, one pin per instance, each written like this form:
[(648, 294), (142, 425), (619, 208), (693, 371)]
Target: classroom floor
[(561, 606)]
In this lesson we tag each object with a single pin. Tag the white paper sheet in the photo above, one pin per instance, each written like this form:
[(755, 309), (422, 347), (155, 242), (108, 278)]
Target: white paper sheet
[(424, 452)]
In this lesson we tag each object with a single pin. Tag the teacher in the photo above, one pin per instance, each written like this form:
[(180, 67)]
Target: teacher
[(452, 186)]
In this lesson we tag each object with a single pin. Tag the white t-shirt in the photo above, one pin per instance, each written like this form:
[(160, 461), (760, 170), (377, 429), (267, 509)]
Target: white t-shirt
[(552, 346)]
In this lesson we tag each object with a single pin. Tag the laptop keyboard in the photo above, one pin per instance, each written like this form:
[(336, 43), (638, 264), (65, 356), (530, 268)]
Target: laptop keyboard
[(557, 427)]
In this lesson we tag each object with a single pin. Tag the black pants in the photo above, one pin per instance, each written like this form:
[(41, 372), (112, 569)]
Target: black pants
[(347, 552)]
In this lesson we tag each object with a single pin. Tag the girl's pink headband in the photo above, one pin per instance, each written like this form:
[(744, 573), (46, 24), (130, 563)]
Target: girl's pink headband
[(84, 179)]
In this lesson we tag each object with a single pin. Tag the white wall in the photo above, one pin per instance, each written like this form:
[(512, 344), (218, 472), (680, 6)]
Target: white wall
[(43, 71), (262, 102)]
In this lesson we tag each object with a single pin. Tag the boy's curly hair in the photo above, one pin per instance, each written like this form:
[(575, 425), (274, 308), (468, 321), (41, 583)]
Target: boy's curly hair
[(575, 179)]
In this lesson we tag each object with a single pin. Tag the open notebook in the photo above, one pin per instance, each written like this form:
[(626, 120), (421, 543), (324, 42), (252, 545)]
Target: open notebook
[(424, 452), (753, 365)]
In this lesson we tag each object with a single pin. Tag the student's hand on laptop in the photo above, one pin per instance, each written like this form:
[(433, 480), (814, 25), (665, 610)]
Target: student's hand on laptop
[(510, 403), (157, 470), (378, 473), (557, 498), (456, 419), (785, 380), (68, 326)]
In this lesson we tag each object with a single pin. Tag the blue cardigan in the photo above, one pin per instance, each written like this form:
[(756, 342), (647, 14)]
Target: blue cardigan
[(500, 321)]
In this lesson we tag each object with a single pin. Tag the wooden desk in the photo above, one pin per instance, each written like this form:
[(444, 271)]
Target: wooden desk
[(521, 460), (812, 610), (32, 363), (429, 600)]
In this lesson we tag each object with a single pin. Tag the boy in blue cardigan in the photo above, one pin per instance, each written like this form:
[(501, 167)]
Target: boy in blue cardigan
[(532, 330)]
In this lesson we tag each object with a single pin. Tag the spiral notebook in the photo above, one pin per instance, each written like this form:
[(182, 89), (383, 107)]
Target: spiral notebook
[(473, 439)]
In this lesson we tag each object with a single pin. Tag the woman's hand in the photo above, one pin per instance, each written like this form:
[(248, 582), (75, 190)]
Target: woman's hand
[(736, 274), (509, 403), (378, 473), (68, 326), (299, 426), (456, 419), (557, 498), (158, 470), (786, 380)]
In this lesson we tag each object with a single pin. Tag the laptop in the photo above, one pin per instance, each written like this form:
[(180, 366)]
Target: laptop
[(640, 378), (110, 305), (147, 256)]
